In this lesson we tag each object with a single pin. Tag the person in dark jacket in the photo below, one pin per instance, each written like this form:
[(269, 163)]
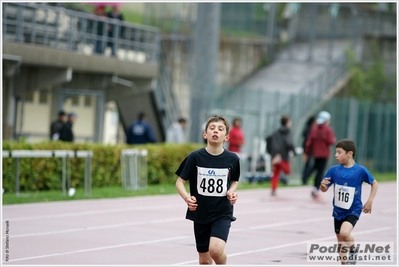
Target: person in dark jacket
[(57, 125), (113, 28), (99, 23), (318, 143), (282, 144), (66, 133), (140, 132), (309, 163)]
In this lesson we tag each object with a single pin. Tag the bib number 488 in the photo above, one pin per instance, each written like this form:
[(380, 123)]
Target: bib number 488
[(211, 185), (212, 182)]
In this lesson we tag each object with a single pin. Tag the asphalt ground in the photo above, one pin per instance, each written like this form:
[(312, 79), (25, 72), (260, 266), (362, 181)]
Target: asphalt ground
[(152, 230)]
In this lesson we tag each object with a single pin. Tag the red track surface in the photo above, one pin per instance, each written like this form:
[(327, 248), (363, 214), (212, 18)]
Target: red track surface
[(152, 230)]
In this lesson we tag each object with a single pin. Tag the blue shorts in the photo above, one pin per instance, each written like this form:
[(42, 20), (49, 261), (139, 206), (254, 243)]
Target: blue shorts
[(203, 232)]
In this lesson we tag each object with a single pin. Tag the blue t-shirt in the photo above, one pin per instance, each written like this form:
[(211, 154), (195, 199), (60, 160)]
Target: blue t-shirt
[(140, 132), (347, 183), (210, 178)]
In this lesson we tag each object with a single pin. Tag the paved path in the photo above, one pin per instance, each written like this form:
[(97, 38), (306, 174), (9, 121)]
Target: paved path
[(289, 74)]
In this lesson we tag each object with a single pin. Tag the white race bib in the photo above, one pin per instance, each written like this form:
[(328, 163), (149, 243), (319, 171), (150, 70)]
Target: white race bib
[(212, 182), (343, 196)]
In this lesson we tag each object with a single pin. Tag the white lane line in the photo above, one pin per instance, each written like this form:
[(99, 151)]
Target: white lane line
[(293, 244), (181, 237), (84, 213), (132, 224), (96, 202), (96, 228), (105, 211), (100, 248), (284, 224)]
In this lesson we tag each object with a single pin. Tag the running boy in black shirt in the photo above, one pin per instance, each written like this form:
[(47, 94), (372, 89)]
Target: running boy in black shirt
[(213, 174)]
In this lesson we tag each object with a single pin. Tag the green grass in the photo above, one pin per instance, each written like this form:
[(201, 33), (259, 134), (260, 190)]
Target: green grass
[(116, 192)]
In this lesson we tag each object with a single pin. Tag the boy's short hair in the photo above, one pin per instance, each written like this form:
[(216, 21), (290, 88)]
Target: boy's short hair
[(284, 119), (181, 120), (347, 145), (236, 119), (141, 116), (72, 114), (215, 118)]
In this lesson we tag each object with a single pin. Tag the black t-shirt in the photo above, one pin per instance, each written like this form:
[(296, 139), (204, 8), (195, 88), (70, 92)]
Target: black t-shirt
[(210, 178)]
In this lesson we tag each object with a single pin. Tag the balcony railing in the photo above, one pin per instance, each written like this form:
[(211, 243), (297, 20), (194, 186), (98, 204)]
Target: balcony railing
[(61, 28)]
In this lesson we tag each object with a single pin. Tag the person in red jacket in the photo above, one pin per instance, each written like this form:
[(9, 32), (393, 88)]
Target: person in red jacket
[(236, 136), (318, 143)]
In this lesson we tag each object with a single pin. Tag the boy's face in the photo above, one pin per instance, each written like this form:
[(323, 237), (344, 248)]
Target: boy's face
[(342, 156), (63, 118), (216, 132)]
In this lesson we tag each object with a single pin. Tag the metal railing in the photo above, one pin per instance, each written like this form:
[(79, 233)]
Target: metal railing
[(61, 28), (65, 155), (134, 168), (165, 96)]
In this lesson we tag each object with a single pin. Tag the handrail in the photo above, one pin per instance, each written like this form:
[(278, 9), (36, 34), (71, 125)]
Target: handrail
[(164, 93), (61, 28), (64, 154)]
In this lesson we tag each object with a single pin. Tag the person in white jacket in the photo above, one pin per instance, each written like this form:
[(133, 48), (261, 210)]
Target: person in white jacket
[(176, 132)]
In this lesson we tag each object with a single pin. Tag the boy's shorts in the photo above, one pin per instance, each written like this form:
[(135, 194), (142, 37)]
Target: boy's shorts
[(203, 232), (337, 223)]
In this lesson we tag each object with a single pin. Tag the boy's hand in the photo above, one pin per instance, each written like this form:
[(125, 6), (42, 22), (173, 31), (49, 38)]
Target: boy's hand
[(324, 184), (232, 196), (367, 207), (192, 203)]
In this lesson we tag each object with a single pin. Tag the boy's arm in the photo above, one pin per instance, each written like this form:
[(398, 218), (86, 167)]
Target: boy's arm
[(324, 184), (373, 192), (181, 189), (231, 193)]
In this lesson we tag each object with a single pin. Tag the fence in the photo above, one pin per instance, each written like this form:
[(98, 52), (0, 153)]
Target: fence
[(62, 28), (66, 166), (371, 125), (134, 168)]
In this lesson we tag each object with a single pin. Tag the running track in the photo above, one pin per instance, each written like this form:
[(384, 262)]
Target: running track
[(152, 230)]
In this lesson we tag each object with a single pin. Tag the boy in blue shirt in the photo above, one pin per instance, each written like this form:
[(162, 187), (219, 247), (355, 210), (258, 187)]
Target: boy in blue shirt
[(347, 178)]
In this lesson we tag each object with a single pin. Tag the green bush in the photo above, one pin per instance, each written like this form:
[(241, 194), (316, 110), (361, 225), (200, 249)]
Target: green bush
[(45, 173)]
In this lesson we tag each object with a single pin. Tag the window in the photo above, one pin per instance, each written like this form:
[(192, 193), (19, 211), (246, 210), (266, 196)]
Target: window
[(75, 100), (88, 101), (43, 95), (29, 96)]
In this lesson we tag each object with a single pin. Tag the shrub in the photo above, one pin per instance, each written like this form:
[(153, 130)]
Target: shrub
[(46, 173)]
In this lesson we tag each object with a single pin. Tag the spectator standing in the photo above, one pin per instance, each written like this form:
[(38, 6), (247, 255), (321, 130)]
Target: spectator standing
[(66, 133), (113, 28), (213, 173), (318, 143), (57, 125), (175, 132), (99, 11), (309, 163), (140, 132), (278, 145), (236, 140)]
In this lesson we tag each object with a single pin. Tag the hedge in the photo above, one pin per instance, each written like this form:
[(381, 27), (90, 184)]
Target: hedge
[(45, 173)]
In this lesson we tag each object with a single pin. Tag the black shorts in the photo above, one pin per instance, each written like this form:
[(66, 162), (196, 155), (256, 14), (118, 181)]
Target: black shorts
[(350, 218), (203, 232)]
